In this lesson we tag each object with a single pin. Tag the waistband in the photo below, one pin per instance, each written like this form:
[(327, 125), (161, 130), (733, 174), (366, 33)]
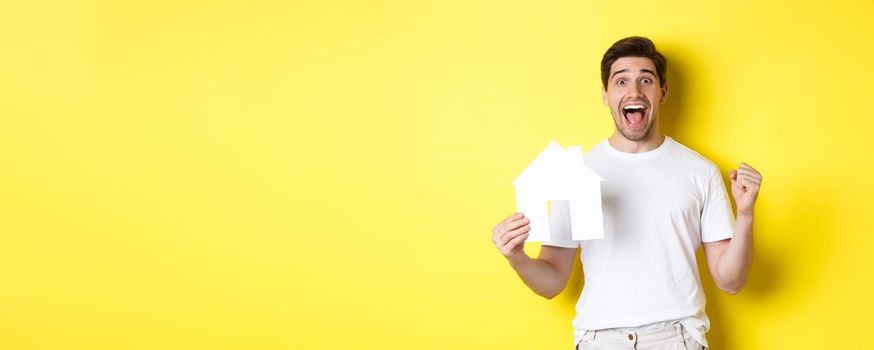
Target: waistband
[(634, 335)]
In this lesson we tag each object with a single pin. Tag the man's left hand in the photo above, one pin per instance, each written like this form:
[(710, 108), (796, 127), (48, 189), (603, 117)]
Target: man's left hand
[(745, 182)]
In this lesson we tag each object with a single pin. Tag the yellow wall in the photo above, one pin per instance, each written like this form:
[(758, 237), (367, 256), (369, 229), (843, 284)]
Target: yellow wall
[(325, 174)]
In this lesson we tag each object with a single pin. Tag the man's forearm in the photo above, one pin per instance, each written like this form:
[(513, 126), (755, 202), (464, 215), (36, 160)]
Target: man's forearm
[(539, 275), (734, 264)]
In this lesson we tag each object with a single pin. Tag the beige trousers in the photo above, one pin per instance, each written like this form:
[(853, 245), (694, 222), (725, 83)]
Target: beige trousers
[(672, 337)]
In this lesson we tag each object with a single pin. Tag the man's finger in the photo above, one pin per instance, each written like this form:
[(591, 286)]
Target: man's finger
[(514, 242), (512, 234), (504, 226), (751, 178), (509, 234), (514, 225), (514, 217), (749, 184), (749, 172)]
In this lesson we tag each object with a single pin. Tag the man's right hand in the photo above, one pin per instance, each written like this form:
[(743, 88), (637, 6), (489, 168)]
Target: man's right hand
[(509, 235), (547, 275)]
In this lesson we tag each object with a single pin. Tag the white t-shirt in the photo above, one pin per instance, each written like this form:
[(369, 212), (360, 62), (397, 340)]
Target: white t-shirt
[(659, 206)]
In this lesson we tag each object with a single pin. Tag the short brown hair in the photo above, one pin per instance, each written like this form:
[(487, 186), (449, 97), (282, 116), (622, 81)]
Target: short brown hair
[(633, 46)]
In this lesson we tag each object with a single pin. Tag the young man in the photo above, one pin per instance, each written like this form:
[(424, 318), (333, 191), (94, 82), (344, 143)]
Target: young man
[(661, 201)]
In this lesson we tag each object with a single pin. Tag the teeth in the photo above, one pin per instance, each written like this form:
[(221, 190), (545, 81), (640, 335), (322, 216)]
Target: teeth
[(634, 107)]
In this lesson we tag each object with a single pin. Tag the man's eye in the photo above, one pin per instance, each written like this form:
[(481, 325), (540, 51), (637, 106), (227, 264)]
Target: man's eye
[(646, 80), (620, 82)]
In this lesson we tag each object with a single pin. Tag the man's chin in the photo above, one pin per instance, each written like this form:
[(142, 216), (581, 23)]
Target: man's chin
[(635, 135)]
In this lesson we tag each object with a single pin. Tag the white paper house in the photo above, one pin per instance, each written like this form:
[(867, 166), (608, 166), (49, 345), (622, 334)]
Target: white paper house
[(560, 175)]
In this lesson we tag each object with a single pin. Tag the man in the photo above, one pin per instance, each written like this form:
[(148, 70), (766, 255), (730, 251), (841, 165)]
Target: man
[(661, 201)]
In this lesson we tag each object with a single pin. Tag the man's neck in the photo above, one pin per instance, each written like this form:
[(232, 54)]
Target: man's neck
[(650, 143)]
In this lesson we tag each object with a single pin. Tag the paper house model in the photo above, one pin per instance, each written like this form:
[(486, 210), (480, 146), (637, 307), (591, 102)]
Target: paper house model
[(560, 175)]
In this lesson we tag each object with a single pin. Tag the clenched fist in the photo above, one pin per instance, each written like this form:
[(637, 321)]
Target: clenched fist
[(745, 183)]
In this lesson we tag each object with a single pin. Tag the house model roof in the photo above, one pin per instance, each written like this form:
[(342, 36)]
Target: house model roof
[(556, 166)]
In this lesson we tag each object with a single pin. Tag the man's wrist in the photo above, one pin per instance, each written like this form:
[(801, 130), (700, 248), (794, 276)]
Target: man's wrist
[(518, 259), (744, 222), (746, 215)]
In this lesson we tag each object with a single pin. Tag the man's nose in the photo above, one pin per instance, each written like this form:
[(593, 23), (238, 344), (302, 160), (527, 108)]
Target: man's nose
[(636, 89)]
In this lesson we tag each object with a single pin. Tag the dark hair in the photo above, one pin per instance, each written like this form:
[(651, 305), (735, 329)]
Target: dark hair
[(633, 46)]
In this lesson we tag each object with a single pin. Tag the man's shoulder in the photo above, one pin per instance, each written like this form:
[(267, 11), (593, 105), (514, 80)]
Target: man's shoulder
[(691, 157)]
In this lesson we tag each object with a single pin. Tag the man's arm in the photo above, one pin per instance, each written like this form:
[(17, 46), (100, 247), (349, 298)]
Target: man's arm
[(548, 274), (729, 260)]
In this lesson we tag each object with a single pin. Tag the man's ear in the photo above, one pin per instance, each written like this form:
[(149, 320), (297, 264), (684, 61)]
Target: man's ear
[(664, 93), (604, 96)]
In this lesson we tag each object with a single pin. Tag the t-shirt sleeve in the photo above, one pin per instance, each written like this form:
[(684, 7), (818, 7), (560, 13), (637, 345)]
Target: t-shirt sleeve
[(560, 226), (717, 220)]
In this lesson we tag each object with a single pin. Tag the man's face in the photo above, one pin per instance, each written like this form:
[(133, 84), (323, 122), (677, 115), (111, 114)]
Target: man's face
[(634, 95)]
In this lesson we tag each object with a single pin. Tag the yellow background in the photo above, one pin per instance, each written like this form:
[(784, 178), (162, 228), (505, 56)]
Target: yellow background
[(325, 174)]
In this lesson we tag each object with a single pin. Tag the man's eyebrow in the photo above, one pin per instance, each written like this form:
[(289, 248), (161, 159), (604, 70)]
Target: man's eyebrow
[(617, 72), (644, 70)]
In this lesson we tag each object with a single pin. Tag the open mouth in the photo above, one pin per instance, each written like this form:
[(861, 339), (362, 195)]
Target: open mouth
[(635, 115)]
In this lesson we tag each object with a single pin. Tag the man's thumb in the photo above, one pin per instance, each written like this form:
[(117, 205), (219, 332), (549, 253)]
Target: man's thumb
[(733, 175)]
